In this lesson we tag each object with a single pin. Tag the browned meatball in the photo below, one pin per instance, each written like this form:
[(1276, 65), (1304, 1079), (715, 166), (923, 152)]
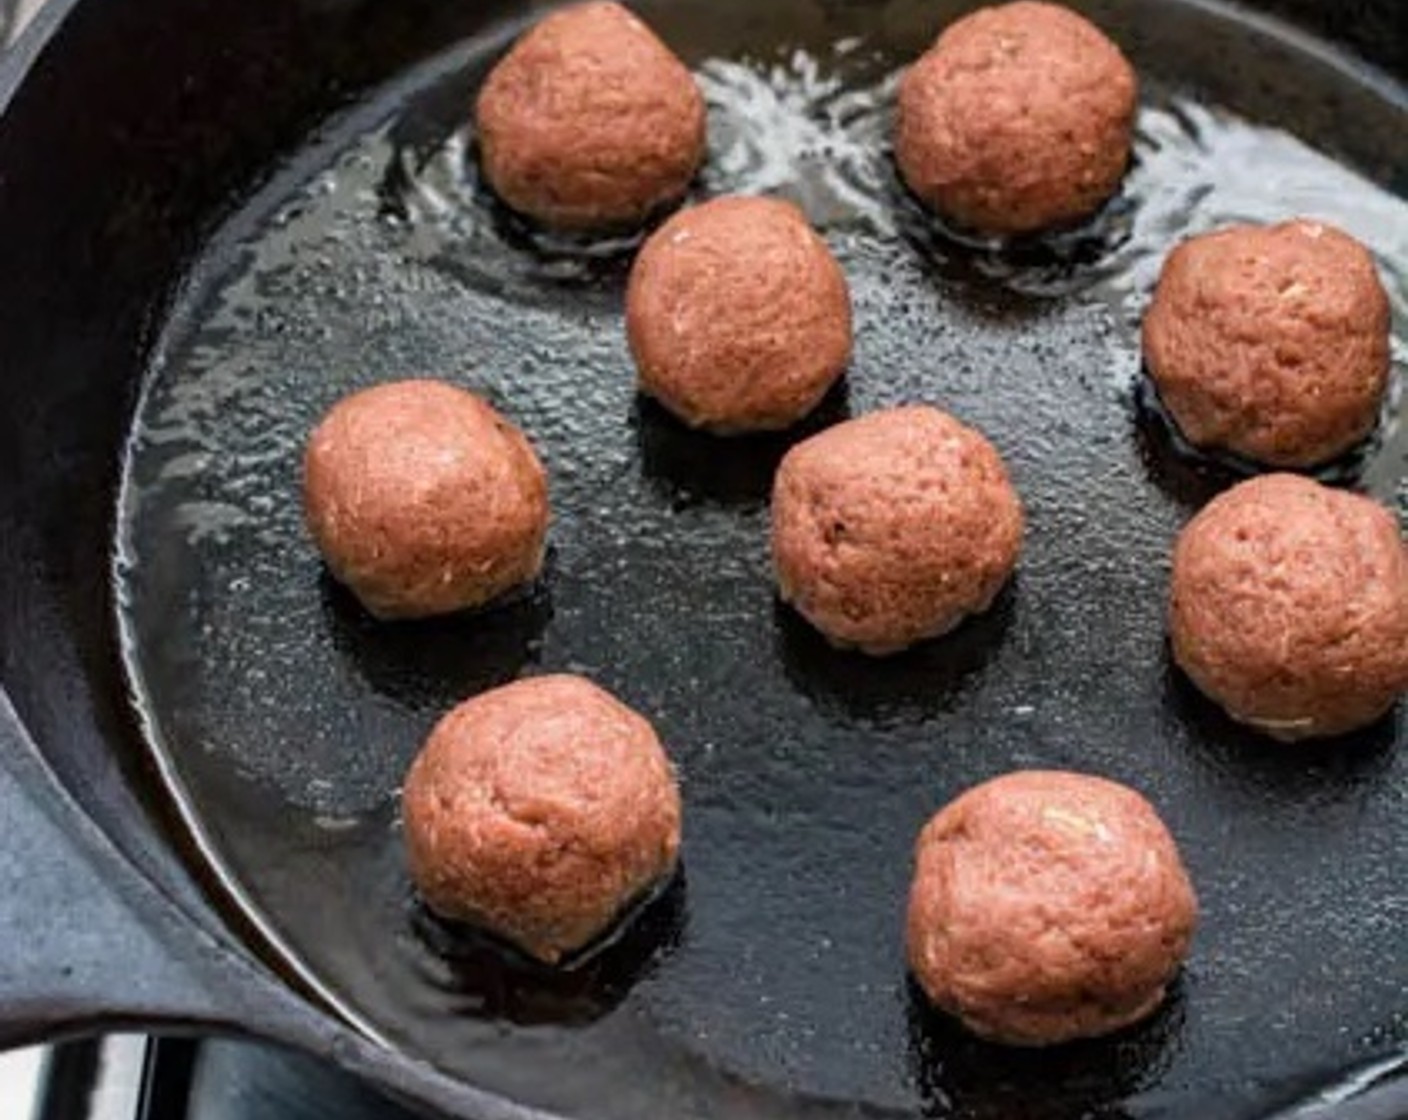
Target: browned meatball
[(423, 499), (540, 811), (1047, 907), (1017, 118), (1271, 342), (1290, 606), (892, 528), (590, 121), (738, 315)]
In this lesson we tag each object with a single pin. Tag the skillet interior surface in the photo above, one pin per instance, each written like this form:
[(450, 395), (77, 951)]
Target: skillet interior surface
[(772, 970)]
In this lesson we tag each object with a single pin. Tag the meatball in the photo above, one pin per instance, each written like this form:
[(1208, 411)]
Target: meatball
[(892, 528), (423, 499), (1047, 907), (1289, 607), (590, 122), (1271, 342), (1018, 118), (738, 315), (539, 811)]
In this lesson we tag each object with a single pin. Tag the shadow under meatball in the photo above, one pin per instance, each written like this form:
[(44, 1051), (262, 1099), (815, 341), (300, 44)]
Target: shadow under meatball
[(923, 681), (1313, 768), (1193, 476), (695, 467), (432, 664), (490, 978), (961, 1075)]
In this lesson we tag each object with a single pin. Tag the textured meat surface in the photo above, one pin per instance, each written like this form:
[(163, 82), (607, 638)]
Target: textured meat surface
[(1272, 342), (893, 527), (423, 499), (1048, 906), (738, 315), (540, 810), (1018, 117), (1289, 606), (590, 121)]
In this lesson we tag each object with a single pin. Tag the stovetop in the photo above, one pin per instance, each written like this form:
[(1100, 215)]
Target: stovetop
[(132, 1077), (243, 1081)]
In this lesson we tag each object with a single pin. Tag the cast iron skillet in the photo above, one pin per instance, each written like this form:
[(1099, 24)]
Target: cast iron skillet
[(146, 881)]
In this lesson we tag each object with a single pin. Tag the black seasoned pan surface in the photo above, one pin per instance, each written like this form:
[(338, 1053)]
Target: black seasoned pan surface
[(769, 979)]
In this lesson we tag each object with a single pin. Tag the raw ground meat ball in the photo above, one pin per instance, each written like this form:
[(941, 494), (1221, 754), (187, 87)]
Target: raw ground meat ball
[(1018, 118), (738, 315), (1290, 606), (893, 528), (1047, 907), (590, 121), (423, 499), (539, 811), (1271, 342)]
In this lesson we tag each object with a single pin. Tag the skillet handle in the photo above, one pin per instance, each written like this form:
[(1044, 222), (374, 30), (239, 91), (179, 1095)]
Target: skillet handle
[(88, 941)]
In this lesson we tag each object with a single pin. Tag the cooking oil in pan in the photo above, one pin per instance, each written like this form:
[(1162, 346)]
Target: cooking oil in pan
[(772, 971)]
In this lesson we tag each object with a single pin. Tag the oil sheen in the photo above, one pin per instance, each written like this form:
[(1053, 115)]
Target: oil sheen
[(771, 975)]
